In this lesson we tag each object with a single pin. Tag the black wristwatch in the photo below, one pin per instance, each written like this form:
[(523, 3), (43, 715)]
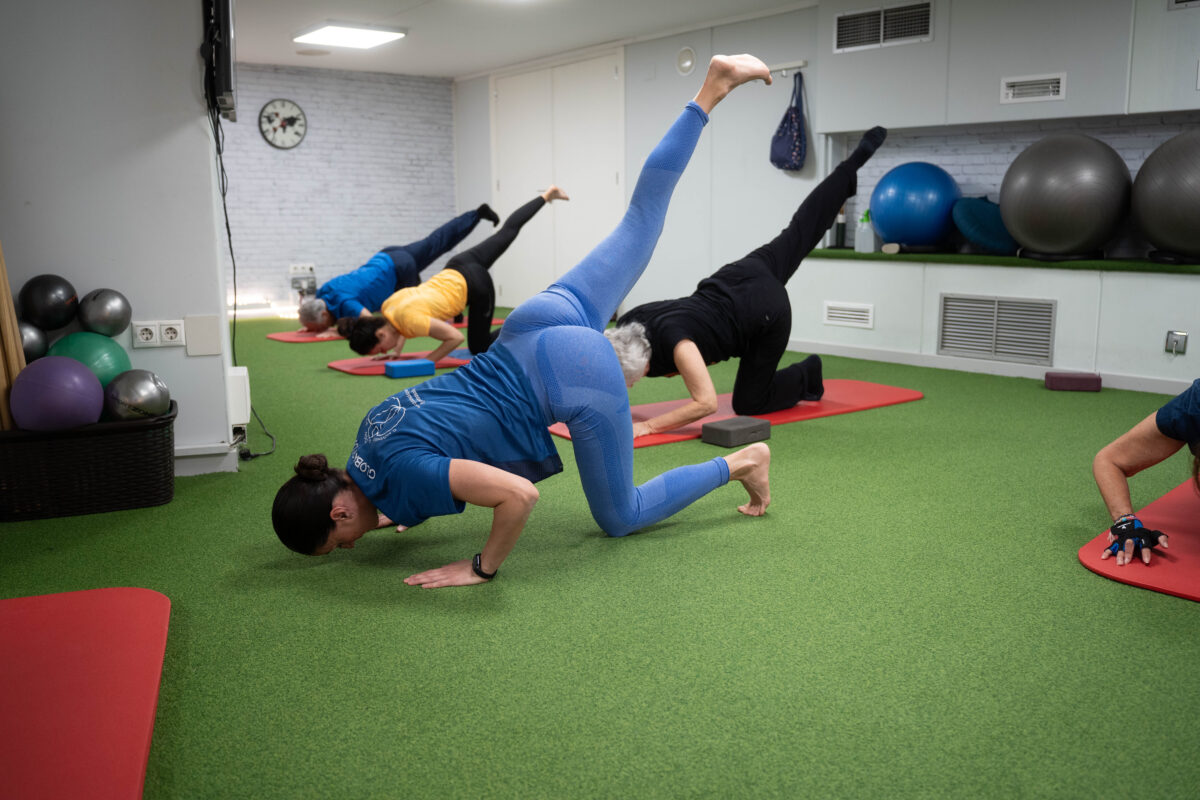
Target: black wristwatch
[(477, 567)]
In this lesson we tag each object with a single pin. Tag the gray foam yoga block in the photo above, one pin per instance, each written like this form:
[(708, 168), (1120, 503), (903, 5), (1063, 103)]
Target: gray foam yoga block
[(735, 431)]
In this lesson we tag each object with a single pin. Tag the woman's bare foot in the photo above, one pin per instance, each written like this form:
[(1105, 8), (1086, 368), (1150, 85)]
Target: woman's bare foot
[(726, 73), (752, 466), (554, 193)]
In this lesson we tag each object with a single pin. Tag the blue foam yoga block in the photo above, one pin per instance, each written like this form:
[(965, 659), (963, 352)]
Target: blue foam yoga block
[(408, 368)]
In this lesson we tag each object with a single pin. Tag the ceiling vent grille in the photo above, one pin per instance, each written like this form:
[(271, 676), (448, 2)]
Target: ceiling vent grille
[(1033, 88), (883, 26), (997, 329), (850, 315)]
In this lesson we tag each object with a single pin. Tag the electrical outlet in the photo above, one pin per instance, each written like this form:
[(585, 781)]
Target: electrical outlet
[(170, 333), (1176, 342), (295, 270), (144, 334)]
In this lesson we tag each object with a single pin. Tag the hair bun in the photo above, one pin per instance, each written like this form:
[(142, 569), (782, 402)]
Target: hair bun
[(312, 468)]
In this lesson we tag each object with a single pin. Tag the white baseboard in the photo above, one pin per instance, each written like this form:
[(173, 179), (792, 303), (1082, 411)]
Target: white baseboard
[(1136, 383), (202, 459)]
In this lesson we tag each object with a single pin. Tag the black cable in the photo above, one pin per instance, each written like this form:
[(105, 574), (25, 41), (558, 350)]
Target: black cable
[(214, 120)]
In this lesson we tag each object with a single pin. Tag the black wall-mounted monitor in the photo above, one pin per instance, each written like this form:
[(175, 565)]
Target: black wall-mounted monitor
[(220, 74)]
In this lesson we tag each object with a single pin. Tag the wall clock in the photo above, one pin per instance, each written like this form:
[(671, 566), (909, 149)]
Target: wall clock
[(282, 123)]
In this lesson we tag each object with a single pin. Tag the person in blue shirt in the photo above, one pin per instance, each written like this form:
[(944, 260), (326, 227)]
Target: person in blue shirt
[(1153, 440), (361, 292), (479, 434)]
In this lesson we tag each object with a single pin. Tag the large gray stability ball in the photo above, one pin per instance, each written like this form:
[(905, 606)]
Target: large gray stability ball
[(136, 394), (1166, 195), (1065, 195), (33, 341), (105, 311), (48, 301)]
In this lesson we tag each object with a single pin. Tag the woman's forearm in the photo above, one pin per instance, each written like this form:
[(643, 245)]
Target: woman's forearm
[(1113, 485), (677, 418), (508, 520), (444, 349)]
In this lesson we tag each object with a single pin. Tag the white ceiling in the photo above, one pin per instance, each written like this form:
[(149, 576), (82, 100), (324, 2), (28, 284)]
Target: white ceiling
[(458, 38)]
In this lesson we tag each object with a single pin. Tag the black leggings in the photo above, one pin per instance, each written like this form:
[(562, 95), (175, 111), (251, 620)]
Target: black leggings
[(759, 387), (474, 264)]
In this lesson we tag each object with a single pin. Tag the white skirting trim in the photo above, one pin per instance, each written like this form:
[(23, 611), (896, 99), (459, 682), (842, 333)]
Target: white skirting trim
[(1136, 383)]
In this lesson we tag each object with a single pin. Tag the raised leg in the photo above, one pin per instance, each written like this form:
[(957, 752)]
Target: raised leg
[(423, 252), (595, 287)]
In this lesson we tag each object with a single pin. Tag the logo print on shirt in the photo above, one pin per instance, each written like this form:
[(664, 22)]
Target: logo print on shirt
[(384, 419)]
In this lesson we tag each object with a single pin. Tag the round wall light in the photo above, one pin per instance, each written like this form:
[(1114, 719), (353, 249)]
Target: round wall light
[(685, 61)]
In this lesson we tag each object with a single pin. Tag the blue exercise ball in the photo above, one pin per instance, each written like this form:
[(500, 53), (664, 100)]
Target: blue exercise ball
[(912, 203), (1065, 195)]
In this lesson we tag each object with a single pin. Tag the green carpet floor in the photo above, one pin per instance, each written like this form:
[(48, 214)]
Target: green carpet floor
[(908, 620)]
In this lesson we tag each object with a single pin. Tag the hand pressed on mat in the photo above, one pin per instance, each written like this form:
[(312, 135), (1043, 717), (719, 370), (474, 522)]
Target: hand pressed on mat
[(1128, 536)]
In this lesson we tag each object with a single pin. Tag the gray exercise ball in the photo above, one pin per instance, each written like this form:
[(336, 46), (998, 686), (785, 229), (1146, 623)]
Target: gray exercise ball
[(48, 301), (105, 311), (33, 341), (1166, 195), (1065, 195), (136, 394)]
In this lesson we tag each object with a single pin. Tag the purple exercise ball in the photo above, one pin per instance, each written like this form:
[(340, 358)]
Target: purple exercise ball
[(55, 393)]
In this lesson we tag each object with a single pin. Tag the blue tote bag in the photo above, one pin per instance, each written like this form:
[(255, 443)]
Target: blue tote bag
[(789, 145)]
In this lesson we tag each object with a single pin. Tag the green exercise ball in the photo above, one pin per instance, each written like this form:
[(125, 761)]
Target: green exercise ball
[(102, 355)]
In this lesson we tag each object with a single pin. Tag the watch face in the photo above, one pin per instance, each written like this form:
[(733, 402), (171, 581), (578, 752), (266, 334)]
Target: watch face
[(282, 124)]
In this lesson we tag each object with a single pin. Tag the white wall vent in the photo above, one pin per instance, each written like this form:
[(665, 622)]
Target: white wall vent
[(902, 24), (1033, 88), (850, 315), (1171, 4), (997, 329)]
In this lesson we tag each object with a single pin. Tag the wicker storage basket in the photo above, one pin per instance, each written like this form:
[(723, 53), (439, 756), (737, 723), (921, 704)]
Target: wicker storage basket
[(107, 466)]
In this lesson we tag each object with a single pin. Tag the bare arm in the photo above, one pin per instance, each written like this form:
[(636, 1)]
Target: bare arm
[(511, 499), (450, 336), (699, 384), (1142, 446)]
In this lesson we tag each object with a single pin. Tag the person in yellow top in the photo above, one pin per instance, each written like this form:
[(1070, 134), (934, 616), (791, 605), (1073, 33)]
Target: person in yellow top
[(464, 285)]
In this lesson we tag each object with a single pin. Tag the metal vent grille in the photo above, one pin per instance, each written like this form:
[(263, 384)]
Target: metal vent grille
[(997, 329), (864, 29), (850, 315), (906, 22), (877, 27), (1033, 88), (1173, 4)]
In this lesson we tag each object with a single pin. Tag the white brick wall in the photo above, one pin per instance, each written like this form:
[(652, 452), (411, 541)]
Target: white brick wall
[(376, 168), (979, 155)]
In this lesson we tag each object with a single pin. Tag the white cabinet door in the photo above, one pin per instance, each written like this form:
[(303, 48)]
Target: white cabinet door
[(523, 165), (562, 125), (1056, 58), (898, 83), (1165, 74)]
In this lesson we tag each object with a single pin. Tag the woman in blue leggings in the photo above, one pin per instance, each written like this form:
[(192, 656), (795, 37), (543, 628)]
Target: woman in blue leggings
[(478, 435)]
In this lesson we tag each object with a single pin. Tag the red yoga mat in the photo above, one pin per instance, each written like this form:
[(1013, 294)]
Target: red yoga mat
[(80, 672), (301, 337), (369, 365), (841, 397), (1175, 570)]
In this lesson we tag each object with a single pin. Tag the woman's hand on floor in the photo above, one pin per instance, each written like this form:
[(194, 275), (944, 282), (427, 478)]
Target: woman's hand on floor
[(457, 574)]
